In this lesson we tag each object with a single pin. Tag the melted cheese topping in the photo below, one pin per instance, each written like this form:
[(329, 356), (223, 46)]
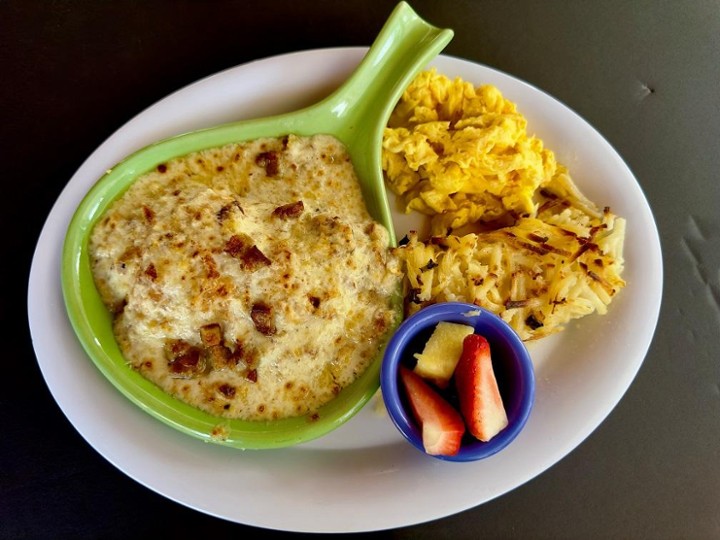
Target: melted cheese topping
[(248, 280)]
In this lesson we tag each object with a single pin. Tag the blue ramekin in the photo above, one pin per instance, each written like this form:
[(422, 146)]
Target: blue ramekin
[(511, 362)]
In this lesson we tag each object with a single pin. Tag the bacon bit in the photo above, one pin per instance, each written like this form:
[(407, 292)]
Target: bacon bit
[(268, 160), (185, 359), (254, 259), (224, 212), (262, 316), (151, 272), (233, 359), (291, 210), (250, 256), (235, 246), (227, 390), (162, 168), (315, 301), (149, 214), (211, 334), (251, 375)]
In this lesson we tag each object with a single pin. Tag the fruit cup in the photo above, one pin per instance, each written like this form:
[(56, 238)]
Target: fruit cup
[(511, 363)]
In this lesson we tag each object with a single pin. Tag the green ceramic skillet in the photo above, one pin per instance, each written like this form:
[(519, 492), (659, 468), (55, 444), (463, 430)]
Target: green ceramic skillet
[(356, 114)]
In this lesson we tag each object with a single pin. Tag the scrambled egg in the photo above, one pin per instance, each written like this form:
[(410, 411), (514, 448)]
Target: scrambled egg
[(462, 154)]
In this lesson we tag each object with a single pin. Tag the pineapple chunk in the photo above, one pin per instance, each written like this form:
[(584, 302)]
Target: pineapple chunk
[(441, 353)]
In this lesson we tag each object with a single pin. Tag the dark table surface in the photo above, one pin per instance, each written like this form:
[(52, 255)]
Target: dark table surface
[(645, 73)]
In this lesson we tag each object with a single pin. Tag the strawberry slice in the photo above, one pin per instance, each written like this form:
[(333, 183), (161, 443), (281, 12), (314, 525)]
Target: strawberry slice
[(442, 426), (480, 401)]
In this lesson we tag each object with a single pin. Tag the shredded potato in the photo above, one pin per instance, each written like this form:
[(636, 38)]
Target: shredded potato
[(539, 253)]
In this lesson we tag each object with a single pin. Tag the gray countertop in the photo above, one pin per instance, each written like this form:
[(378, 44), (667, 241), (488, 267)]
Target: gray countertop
[(645, 74)]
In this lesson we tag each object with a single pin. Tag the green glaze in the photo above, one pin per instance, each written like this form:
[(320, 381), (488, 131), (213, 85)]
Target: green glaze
[(356, 114)]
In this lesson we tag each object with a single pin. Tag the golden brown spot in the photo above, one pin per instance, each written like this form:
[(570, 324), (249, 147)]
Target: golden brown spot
[(210, 266), (155, 296), (148, 213)]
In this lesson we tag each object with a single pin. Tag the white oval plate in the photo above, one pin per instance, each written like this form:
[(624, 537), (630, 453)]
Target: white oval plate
[(363, 476)]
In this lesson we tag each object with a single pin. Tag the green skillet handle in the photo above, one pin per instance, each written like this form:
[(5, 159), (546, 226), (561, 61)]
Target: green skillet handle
[(362, 106)]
